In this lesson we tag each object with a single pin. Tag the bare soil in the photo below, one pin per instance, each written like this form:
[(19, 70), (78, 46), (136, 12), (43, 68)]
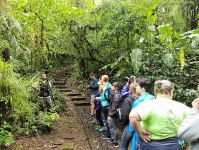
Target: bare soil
[(67, 130)]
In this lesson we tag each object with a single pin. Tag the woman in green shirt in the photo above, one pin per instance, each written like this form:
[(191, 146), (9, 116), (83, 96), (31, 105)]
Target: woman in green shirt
[(160, 119)]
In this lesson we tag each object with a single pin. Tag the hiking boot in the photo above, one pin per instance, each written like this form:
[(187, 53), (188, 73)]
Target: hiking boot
[(101, 129), (112, 145), (105, 137), (96, 129), (110, 140)]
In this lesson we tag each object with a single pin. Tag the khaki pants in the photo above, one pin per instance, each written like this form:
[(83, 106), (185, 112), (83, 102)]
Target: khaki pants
[(45, 102)]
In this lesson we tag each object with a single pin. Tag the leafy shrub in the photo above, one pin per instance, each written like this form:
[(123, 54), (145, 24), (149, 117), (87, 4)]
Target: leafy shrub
[(6, 137)]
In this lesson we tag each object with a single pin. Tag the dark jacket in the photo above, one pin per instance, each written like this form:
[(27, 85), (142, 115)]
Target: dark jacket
[(114, 105), (93, 86), (98, 105), (126, 109)]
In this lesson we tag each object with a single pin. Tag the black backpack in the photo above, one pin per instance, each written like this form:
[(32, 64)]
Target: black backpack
[(108, 94)]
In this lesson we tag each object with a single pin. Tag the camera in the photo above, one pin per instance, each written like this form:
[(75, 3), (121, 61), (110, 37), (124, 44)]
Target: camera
[(129, 80)]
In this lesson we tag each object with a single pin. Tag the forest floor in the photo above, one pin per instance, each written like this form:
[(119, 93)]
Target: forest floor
[(68, 131), (72, 129)]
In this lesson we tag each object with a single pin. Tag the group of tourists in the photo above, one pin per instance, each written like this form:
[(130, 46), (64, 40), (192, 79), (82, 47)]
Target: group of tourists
[(152, 122)]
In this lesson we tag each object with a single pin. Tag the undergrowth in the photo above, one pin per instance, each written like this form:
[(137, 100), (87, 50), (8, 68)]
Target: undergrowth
[(20, 112)]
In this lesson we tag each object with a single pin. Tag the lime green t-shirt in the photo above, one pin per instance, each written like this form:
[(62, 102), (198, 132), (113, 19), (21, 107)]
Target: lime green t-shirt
[(161, 117)]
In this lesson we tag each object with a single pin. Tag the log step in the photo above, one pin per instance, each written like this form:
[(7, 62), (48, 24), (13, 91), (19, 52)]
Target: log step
[(59, 82), (81, 103), (59, 79), (74, 94), (65, 90), (78, 98), (61, 86)]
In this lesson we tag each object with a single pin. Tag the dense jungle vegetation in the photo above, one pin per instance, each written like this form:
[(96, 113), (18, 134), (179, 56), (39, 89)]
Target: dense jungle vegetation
[(158, 39)]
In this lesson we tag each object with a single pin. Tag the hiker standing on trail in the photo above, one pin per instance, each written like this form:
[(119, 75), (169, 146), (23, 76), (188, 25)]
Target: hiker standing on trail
[(43, 87), (125, 111), (142, 89), (98, 109), (160, 118), (105, 104), (113, 117), (93, 91)]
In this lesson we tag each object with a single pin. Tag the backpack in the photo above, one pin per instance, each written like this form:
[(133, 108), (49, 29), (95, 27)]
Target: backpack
[(123, 114), (108, 94), (44, 89)]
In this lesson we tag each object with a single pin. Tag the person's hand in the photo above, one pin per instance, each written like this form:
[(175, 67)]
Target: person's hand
[(87, 86), (109, 119), (145, 135), (97, 98), (195, 103)]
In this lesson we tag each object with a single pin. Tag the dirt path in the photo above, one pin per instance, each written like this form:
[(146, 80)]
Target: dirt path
[(73, 127), (68, 130)]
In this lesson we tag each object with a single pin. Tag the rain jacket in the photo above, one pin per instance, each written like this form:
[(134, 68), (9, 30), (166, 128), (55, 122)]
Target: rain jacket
[(104, 102)]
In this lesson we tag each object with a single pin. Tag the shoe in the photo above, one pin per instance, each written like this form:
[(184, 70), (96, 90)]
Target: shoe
[(105, 137), (90, 117), (112, 145), (110, 140), (96, 129), (101, 129)]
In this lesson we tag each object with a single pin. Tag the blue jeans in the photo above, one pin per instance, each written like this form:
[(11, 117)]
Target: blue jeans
[(165, 144), (126, 139), (113, 125)]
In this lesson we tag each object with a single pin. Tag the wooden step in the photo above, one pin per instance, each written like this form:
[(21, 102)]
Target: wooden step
[(58, 82), (59, 79), (65, 90), (74, 94), (61, 86), (81, 103), (78, 98), (64, 76)]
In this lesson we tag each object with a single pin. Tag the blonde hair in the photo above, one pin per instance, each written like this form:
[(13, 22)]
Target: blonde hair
[(163, 87), (104, 79), (132, 90)]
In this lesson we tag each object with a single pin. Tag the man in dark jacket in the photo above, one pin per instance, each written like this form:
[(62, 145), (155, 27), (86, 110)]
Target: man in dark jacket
[(44, 87), (93, 91)]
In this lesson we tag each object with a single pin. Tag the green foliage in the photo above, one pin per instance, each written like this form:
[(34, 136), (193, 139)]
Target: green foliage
[(118, 38), (6, 137), (46, 118)]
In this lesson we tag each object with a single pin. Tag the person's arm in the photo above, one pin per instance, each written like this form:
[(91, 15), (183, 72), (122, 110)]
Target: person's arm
[(189, 126), (134, 118)]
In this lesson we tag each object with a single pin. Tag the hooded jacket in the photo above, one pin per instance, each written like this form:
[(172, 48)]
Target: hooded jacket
[(104, 102)]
